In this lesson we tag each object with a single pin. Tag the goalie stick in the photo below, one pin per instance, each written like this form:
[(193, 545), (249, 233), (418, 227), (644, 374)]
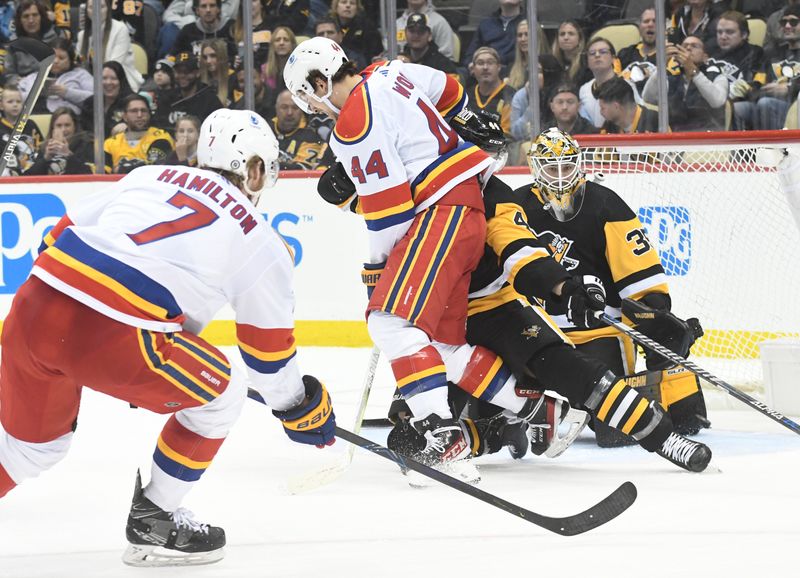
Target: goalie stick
[(44, 55), (645, 341), (313, 480), (604, 511)]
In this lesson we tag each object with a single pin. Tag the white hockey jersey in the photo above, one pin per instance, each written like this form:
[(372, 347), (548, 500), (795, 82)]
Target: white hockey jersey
[(165, 248), (393, 138)]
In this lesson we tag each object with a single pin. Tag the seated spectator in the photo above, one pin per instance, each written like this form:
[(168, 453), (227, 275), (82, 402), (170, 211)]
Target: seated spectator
[(117, 44), (498, 31), (300, 147), (290, 13), (190, 97), (441, 32), (214, 70), (328, 27), (564, 104), (115, 90), (490, 95), (621, 113), (420, 47), (31, 138), (283, 43), (518, 75), (164, 75), (263, 103), (638, 61), (568, 47), (360, 33), (697, 90), (67, 86), (262, 32), (178, 14), (774, 36), (521, 113), (30, 20), (139, 144), (68, 150), (604, 66), (129, 12), (744, 66), (208, 24), (783, 74), (187, 133), (698, 17)]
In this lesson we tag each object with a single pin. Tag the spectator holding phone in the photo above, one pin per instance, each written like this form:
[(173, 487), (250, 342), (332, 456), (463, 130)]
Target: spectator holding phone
[(68, 150), (68, 85)]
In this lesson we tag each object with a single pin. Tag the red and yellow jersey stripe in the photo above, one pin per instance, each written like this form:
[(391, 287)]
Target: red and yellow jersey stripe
[(265, 350)]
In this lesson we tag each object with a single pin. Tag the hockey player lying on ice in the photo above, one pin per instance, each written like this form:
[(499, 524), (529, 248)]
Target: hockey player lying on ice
[(115, 303), (418, 187)]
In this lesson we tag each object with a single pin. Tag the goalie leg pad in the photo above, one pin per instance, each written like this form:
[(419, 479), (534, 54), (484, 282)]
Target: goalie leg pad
[(683, 398)]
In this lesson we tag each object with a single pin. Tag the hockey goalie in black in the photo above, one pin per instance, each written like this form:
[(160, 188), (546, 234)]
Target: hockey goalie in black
[(591, 231)]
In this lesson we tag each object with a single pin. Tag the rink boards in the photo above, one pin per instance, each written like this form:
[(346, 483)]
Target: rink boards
[(705, 244)]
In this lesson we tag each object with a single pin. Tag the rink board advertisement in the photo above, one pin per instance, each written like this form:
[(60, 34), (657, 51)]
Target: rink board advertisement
[(702, 251)]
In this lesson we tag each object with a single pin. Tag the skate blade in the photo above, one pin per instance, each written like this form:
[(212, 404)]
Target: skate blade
[(147, 556), (461, 470)]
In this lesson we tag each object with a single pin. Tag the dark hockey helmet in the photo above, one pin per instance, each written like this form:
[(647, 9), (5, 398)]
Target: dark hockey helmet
[(555, 163)]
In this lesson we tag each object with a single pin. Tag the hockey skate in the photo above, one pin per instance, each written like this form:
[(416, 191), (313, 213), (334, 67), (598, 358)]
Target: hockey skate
[(160, 538), (446, 449), (686, 453), (544, 413)]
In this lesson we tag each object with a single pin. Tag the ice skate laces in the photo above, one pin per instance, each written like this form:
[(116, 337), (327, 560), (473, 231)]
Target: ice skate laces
[(185, 518), (678, 448)]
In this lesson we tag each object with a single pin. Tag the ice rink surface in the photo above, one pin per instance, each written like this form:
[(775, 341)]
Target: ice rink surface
[(739, 519)]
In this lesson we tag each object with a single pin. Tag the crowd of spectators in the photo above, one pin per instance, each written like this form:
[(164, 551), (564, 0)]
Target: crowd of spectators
[(719, 77)]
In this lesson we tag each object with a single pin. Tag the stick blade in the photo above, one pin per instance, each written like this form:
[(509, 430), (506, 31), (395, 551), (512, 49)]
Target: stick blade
[(604, 511), (36, 48)]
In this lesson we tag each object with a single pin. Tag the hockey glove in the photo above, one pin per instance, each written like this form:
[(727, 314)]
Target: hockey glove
[(370, 276), (312, 421), (663, 327), (584, 296), (336, 188), (480, 130)]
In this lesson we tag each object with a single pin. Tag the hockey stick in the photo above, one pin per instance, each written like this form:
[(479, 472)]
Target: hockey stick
[(377, 422), (700, 372), (604, 511), (44, 55), (313, 480)]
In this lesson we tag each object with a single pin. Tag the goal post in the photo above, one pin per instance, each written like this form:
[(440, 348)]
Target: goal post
[(723, 210)]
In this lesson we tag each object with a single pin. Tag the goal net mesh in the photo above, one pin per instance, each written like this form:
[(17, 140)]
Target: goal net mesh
[(727, 238)]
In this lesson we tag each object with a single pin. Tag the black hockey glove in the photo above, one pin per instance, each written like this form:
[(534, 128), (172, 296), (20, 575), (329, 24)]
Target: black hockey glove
[(584, 297), (664, 328), (336, 188), (480, 130)]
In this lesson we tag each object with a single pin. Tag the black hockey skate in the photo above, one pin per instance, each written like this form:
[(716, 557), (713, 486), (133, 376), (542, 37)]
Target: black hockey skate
[(160, 538), (686, 453), (544, 414), (446, 449)]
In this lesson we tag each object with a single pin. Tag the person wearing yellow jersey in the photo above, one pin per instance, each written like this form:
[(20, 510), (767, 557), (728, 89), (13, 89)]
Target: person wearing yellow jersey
[(139, 144)]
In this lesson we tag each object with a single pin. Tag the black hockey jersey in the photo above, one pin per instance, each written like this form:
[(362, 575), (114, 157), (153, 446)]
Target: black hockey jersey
[(605, 239)]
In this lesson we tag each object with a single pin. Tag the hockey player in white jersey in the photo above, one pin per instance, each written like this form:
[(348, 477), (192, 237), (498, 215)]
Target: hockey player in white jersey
[(115, 302), (419, 191)]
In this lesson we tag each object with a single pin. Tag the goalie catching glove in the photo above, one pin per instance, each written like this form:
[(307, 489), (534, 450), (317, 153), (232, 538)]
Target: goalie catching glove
[(660, 325), (480, 130), (312, 421), (584, 297)]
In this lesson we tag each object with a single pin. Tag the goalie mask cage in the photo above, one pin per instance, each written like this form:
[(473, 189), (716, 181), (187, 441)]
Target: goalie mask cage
[(717, 208)]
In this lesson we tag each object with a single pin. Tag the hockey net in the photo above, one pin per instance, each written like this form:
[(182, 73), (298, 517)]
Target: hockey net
[(716, 207)]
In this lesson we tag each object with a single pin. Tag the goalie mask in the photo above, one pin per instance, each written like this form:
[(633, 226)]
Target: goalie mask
[(555, 163)]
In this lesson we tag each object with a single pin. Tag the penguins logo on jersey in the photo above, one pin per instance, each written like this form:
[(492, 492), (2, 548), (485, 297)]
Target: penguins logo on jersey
[(531, 332)]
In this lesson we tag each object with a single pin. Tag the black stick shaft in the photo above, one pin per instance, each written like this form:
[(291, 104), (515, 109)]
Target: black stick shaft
[(700, 372), (602, 512)]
